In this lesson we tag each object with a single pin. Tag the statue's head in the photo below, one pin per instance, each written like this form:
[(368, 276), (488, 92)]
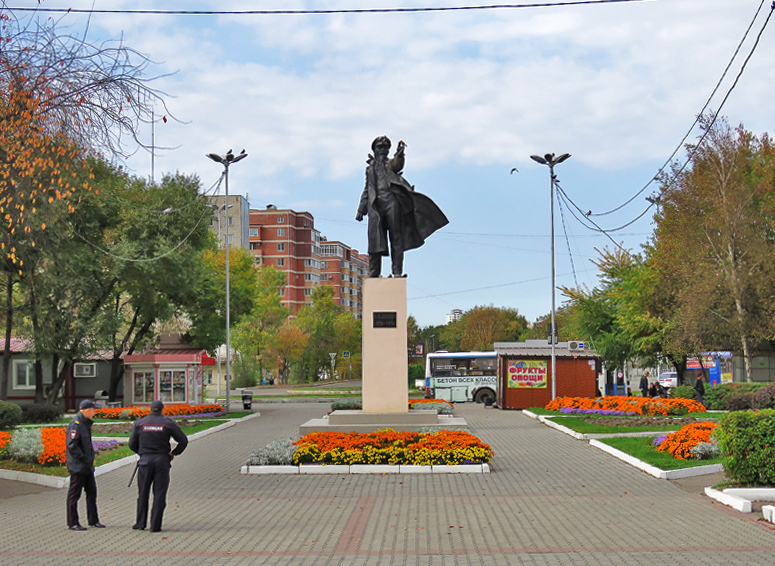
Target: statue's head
[(381, 145)]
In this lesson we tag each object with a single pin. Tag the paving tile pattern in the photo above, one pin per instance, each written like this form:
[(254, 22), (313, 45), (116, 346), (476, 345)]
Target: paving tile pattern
[(550, 500)]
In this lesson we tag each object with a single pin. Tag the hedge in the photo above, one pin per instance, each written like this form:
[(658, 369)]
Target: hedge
[(747, 443)]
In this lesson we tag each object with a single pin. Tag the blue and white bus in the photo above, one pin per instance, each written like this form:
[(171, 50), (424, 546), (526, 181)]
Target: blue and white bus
[(462, 376)]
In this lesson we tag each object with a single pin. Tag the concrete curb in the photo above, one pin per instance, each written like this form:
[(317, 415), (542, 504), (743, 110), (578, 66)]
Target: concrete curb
[(654, 471), (366, 469), (741, 498), (641, 465), (58, 482)]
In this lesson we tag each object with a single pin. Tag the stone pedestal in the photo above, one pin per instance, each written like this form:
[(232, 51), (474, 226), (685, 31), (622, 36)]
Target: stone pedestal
[(385, 370), (385, 393)]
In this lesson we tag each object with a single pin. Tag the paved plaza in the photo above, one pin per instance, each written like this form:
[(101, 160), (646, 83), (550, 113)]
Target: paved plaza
[(550, 500)]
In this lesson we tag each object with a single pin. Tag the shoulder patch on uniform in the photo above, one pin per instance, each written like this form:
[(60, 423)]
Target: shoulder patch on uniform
[(73, 433)]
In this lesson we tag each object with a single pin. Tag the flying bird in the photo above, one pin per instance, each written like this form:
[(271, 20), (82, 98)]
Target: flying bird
[(514, 169)]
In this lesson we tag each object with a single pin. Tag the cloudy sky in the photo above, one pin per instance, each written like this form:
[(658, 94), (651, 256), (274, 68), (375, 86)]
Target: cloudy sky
[(473, 93)]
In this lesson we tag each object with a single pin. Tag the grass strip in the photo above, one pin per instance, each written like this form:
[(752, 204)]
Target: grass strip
[(643, 449), (579, 424)]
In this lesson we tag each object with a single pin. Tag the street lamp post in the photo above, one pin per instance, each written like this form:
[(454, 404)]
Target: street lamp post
[(550, 160), (227, 160)]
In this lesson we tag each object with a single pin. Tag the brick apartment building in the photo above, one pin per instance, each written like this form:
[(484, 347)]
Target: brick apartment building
[(289, 241), (344, 268)]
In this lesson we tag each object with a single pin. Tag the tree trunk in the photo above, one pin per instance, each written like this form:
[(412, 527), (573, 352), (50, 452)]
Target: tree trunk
[(56, 386), (8, 328)]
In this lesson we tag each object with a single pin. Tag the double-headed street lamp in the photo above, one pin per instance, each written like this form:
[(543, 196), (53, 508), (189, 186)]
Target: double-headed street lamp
[(227, 160), (550, 160)]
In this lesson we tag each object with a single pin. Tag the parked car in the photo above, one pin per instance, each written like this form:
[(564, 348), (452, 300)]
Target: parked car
[(668, 379)]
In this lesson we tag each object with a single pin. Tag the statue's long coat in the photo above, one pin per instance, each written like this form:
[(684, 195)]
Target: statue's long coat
[(421, 216)]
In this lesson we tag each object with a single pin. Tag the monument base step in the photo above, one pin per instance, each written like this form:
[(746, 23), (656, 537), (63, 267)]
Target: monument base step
[(358, 421)]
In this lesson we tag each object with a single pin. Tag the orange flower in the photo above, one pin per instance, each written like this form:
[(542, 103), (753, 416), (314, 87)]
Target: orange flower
[(680, 443), (5, 438), (54, 446), (637, 405)]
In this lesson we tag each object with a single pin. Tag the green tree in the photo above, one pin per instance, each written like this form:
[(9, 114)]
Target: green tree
[(714, 244), (320, 322), (208, 312), (289, 344), (255, 331), (483, 326)]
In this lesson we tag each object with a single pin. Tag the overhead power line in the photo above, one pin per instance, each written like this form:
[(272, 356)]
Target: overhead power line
[(324, 12), (704, 108)]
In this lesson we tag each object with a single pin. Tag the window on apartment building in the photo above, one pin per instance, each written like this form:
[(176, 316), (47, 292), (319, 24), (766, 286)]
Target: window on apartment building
[(314, 277), (231, 220), (23, 374), (255, 245), (281, 262), (281, 219), (323, 277), (280, 247), (323, 265), (253, 232), (230, 239), (307, 292), (281, 291), (346, 264), (345, 277), (281, 231)]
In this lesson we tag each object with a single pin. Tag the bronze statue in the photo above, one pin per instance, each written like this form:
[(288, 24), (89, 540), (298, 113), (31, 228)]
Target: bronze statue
[(397, 213)]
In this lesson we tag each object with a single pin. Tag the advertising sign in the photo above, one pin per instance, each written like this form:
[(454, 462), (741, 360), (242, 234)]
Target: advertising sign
[(475, 380), (527, 374)]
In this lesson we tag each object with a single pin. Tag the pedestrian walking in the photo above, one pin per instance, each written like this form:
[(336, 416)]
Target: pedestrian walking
[(699, 389), (150, 438), (80, 463), (644, 384)]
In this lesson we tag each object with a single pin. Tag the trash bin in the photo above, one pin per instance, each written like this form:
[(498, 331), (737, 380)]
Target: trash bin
[(247, 400)]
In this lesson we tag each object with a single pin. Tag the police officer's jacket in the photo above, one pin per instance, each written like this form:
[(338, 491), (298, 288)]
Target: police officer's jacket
[(151, 436), (80, 452)]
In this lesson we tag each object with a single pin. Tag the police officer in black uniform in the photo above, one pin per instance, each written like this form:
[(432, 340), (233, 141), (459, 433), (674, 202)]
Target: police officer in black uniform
[(80, 464), (150, 438)]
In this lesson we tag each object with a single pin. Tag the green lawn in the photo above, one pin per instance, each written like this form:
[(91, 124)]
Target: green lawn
[(61, 471), (188, 430), (579, 424), (643, 449), (101, 459)]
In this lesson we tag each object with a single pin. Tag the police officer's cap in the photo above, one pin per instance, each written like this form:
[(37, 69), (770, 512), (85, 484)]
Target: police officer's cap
[(87, 404), (157, 406)]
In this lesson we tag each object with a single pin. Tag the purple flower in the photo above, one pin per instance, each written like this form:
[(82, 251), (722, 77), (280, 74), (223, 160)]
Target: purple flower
[(105, 444), (659, 439)]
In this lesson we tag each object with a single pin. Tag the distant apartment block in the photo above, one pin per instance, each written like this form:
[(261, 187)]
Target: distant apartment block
[(454, 315), (344, 269), (232, 217), (288, 240)]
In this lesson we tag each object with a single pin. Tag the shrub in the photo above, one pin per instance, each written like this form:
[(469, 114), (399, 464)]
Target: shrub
[(279, 452), (10, 415), (715, 396), (440, 407), (26, 445), (416, 371), (40, 413), (706, 450), (738, 402), (683, 392), (346, 405), (764, 398), (747, 443)]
